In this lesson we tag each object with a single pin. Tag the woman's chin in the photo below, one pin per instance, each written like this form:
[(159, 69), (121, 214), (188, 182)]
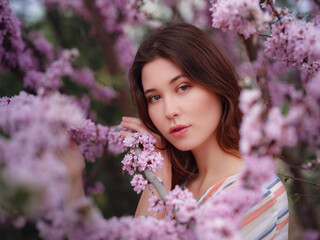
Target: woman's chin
[(182, 147)]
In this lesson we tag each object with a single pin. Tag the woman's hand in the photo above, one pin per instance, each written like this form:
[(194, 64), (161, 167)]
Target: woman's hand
[(165, 173), (73, 160), (136, 124)]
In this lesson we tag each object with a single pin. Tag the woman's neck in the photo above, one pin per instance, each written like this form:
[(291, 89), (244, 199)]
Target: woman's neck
[(213, 162)]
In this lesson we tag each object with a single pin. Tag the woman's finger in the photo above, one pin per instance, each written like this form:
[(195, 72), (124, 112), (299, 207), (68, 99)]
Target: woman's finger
[(132, 119), (137, 125), (134, 124), (126, 133)]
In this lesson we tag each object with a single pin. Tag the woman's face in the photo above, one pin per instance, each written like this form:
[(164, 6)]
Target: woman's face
[(186, 114)]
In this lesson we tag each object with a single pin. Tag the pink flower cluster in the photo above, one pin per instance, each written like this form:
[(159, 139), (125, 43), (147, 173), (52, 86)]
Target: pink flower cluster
[(146, 159), (125, 50), (91, 138), (95, 227), (115, 140), (267, 135), (85, 78), (181, 204), (139, 183), (139, 160), (11, 43), (38, 52), (51, 78), (267, 67), (220, 216), (156, 205), (241, 16), (74, 5), (115, 16), (42, 46), (296, 43), (35, 128)]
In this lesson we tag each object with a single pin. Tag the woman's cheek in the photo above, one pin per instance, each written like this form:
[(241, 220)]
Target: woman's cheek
[(155, 116)]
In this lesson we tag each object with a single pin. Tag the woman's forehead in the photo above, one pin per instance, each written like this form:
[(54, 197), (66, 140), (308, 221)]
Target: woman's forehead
[(159, 71)]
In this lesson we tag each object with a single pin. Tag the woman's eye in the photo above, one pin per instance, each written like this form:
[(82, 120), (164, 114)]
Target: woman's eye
[(183, 88), (154, 98)]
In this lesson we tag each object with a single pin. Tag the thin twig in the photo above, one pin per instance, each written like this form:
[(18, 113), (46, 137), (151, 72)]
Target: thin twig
[(273, 9), (306, 195), (264, 35), (300, 179)]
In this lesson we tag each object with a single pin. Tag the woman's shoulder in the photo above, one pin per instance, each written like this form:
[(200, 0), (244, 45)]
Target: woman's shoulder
[(270, 216)]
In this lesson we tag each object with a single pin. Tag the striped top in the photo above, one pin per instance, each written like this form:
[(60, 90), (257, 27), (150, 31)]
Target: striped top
[(268, 219)]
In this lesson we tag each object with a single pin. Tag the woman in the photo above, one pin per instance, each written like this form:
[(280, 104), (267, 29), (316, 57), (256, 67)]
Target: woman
[(186, 95)]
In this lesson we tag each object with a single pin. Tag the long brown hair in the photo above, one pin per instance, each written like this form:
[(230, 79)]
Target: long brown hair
[(202, 62)]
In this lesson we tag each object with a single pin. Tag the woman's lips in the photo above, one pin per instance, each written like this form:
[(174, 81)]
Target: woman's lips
[(178, 130)]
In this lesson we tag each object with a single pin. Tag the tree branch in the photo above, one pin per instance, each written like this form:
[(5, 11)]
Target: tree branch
[(152, 178)]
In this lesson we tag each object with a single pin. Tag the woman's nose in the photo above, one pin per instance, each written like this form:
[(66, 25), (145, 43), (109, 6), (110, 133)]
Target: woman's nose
[(171, 109)]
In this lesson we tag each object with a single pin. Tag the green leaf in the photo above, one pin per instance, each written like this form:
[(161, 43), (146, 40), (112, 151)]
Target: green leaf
[(286, 178), (295, 197)]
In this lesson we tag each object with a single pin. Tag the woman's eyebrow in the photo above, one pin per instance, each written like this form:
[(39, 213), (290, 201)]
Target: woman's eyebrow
[(171, 82)]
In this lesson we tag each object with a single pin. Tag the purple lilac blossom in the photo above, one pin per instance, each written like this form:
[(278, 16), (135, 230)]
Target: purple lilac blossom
[(146, 159), (91, 138), (74, 5), (125, 49), (266, 134), (244, 17), (139, 183), (131, 8), (37, 126), (85, 78), (52, 225), (51, 78), (115, 16), (295, 43), (266, 66), (96, 188), (156, 205), (37, 129), (37, 53), (42, 46), (180, 203), (301, 121), (11, 43), (115, 140)]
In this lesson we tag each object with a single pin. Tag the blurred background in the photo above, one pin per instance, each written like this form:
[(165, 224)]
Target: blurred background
[(107, 34)]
